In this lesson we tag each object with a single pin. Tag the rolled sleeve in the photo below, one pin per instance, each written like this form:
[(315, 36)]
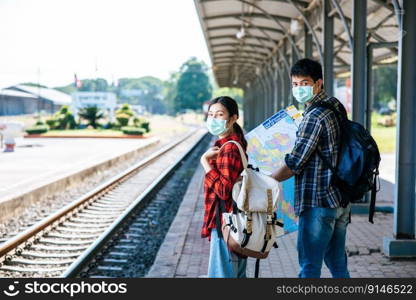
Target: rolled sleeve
[(211, 177), (306, 142)]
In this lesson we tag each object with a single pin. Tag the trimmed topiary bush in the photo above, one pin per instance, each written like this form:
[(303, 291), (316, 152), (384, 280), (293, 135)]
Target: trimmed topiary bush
[(123, 119), (133, 130), (142, 123), (38, 129), (146, 126), (52, 123)]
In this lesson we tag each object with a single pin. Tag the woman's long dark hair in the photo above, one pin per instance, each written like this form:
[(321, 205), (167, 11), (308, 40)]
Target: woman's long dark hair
[(231, 105)]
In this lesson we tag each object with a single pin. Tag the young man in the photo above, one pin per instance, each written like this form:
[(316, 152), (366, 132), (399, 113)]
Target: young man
[(322, 219)]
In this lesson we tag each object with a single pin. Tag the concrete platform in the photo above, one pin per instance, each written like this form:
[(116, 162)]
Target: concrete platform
[(185, 254), (42, 166)]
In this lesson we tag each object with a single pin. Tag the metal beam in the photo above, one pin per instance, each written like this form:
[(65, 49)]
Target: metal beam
[(237, 58), (286, 79), (312, 31), (307, 42), (230, 36), (404, 243), (276, 20), (358, 67), (303, 3), (275, 30), (269, 49), (328, 41), (343, 21), (276, 84), (259, 54), (254, 15)]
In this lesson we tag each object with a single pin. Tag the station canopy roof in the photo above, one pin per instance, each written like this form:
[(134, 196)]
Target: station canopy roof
[(243, 35)]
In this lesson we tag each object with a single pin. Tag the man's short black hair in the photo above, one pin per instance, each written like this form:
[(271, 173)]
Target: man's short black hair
[(307, 67)]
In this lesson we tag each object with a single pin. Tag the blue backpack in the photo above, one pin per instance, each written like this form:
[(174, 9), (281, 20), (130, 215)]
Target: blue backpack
[(356, 172)]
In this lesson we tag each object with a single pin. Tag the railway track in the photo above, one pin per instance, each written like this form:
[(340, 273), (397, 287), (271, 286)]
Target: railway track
[(61, 244)]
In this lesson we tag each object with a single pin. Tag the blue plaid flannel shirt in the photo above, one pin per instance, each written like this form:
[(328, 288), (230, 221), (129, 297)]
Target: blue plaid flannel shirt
[(318, 129)]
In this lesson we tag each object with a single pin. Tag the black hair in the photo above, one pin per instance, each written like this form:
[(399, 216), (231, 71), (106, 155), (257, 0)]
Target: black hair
[(307, 67), (232, 107)]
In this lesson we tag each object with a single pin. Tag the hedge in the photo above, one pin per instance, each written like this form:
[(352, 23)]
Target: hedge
[(133, 130), (39, 129)]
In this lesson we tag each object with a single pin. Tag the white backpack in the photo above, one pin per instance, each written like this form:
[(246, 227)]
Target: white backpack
[(252, 227)]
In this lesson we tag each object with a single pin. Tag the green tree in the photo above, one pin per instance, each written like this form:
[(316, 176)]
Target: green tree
[(92, 114), (235, 93), (34, 84), (170, 92), (94, 85), (148, 93), (64, 118), (68, 89), (193, 86), (385, 85)]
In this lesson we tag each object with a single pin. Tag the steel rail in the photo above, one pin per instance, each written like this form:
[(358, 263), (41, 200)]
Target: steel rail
[(76, 267), (33, 233)]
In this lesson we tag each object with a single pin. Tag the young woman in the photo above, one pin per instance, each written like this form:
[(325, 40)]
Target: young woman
[(222, 168)]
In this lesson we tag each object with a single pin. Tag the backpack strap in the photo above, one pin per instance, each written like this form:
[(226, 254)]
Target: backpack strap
[(257, 268), (219, 210), (220, 207), (240, 149), (341, 118), (372, 208)]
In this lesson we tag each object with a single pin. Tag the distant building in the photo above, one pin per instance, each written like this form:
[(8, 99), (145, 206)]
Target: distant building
[(17, 103), (24, 99), (103, 100)]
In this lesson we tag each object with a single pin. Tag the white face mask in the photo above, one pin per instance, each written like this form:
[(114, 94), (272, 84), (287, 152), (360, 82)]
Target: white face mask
[(302, 94), (216, 126)]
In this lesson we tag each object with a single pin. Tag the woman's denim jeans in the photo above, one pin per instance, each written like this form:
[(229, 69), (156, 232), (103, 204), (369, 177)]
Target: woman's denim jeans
[(321, 237), (222, 262)]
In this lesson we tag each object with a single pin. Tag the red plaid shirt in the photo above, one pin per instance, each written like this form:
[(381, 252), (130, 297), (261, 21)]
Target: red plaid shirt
[(218, 183)]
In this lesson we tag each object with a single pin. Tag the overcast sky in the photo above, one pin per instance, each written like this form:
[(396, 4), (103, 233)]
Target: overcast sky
[(104, 38)]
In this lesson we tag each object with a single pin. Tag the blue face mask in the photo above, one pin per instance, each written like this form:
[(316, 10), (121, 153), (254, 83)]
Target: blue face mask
[(216, 126), (302, 93)]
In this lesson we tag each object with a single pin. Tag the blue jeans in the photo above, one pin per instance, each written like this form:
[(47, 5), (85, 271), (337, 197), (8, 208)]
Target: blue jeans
[(321, 237), (222, 262)]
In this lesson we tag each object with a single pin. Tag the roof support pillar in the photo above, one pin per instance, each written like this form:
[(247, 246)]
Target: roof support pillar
[(307, 43), (358, 67), (246, 107), (328, 45), (286, 83), (291, 99), (260, 100), (404, 244), (276, 72)]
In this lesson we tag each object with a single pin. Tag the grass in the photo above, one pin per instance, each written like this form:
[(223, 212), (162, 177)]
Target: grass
[(385, 137), (160, 126), (85, 132)]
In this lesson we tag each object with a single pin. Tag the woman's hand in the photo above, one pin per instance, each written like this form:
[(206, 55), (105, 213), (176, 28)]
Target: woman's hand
[(211, 153)]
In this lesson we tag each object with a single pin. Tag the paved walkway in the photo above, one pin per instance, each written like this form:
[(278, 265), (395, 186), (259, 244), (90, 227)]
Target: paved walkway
[(185, 254)]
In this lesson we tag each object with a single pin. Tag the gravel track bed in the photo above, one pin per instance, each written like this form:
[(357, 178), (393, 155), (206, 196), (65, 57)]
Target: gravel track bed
[(38, 211)]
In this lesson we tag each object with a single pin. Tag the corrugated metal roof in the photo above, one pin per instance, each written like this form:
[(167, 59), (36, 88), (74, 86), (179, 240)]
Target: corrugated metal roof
[(55, 96), (12, 93), (267, 24)]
